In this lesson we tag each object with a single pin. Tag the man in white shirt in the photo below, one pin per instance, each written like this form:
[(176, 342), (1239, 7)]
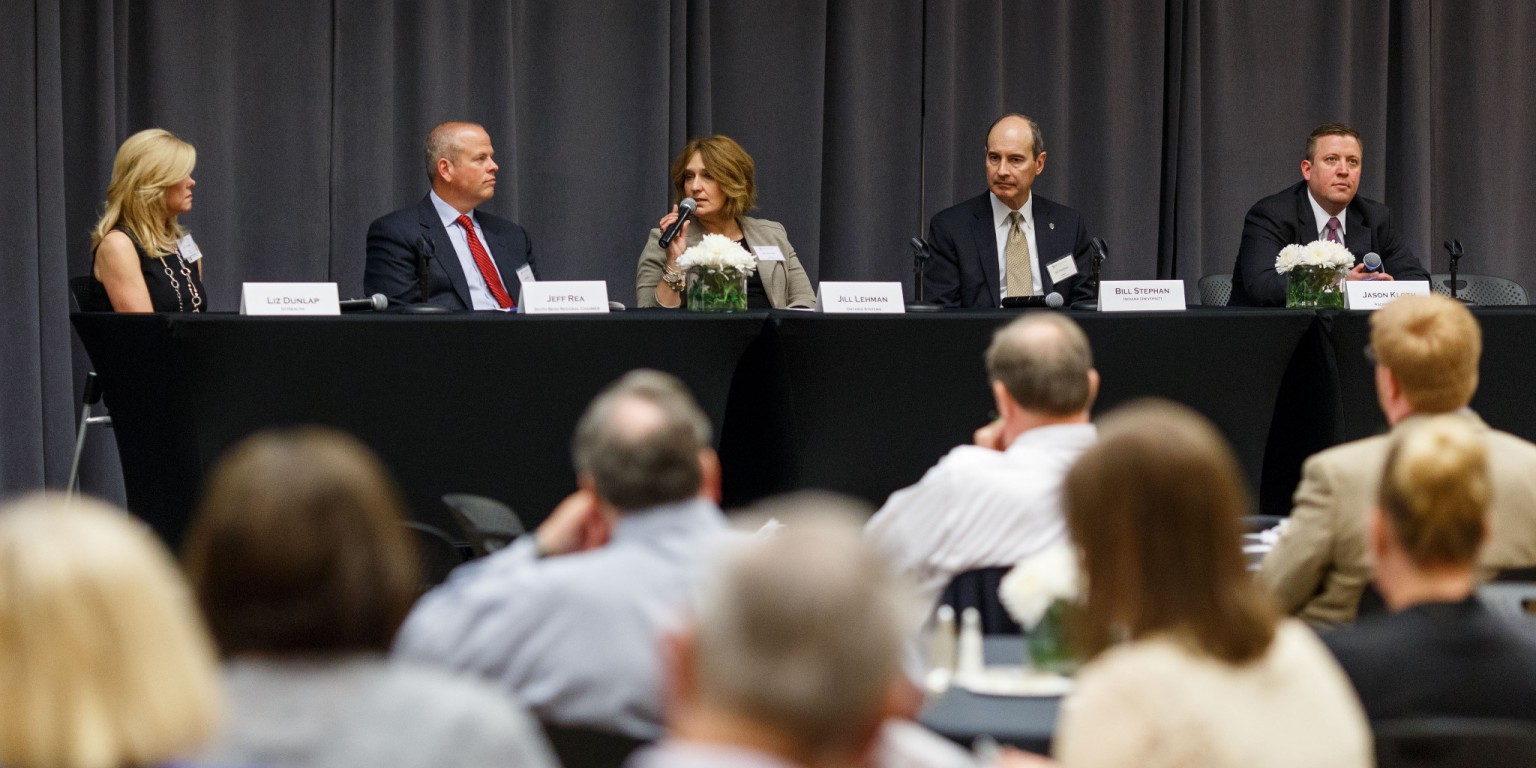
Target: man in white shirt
[(570, 618), (443, 251), (999, 501)]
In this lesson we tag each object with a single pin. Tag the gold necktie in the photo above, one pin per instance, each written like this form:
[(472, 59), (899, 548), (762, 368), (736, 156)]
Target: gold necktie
[(1020, 266)]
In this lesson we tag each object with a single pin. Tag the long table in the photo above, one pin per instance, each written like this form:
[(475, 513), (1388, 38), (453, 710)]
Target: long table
[(485, 403)]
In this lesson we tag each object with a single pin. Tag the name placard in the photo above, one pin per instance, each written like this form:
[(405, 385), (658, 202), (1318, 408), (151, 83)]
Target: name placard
[(1374, 294), (861, 298), (563, 297), (289, 299), (1141, 295)]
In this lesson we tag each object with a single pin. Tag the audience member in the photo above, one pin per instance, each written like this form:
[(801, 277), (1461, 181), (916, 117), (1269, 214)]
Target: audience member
[(1426, 350), (794, 657), (1441, 653), (570, 619), (1207, 675), (301, 561), (103, 660), (999, 501)]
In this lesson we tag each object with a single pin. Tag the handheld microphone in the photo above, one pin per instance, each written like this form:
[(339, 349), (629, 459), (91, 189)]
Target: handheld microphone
[(1051, 300), (374, 303), (684, 210), (1372, 262)]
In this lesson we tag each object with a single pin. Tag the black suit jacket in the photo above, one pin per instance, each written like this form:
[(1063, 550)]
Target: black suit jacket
[(964, 269), (392, 256), (1438, 660), (1286, 218)]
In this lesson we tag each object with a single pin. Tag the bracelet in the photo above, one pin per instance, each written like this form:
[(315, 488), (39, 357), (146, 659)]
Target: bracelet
[(674, 280)]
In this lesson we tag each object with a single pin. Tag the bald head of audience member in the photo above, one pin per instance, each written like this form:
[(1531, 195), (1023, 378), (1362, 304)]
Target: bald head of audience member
[(644, 442), (795, 650), (1431, 514), (1426, 350), (1042, 373)]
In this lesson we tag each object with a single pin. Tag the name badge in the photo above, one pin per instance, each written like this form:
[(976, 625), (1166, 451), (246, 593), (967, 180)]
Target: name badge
[(1062, 268), (1375, 294), (188, 249), (768, 253), (860, 298), (1141, 295), (525, 275), (289, 299), (563, 297)]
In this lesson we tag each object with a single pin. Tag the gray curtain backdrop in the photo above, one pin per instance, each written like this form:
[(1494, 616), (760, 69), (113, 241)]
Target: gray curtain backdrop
[(1164, 120)]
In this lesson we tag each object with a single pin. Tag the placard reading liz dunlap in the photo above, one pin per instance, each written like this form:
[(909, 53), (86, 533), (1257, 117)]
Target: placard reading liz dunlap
[(1375, 294), (860, 297), (563, 297), (289, 299), (1140, 295)]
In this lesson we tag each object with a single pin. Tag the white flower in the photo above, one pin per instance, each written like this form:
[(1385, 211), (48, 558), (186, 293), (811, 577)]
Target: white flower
[(1318, 253), (719, 252), (1034, 584)]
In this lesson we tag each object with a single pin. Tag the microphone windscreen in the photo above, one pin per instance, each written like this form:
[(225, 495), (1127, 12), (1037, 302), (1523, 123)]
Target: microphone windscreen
[(380, 302), (1372, 261), (687, 207), (1053, 300)]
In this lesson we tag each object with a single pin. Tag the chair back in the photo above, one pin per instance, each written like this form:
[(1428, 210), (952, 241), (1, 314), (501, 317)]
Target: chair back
[(1513, 601), (1486, 290), (1454, 743), (1215, 290), (79, 293), (578, 747), (978, 589), (439, 554), (487, 524)]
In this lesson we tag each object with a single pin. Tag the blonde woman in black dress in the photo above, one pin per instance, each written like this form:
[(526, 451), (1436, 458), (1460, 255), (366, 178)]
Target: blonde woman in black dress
[(142, 260)]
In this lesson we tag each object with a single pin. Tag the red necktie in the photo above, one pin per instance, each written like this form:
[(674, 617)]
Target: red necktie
[(483, 261)]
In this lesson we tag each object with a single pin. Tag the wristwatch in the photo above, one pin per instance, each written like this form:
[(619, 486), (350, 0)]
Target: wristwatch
[(675, 280)]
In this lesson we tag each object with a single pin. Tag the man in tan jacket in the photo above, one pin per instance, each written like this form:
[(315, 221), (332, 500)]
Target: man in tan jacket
[(1426, 350)]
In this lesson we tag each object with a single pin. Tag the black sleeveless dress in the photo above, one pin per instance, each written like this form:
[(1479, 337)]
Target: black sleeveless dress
[(173, 283)]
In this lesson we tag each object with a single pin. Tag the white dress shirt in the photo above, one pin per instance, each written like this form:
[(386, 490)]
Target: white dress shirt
[(1001, 225), (979, 508), (1323, 217), (576, 637), (479, 293)]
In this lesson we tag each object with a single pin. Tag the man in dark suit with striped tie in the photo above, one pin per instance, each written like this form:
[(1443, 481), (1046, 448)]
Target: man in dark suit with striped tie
[(472, 259)]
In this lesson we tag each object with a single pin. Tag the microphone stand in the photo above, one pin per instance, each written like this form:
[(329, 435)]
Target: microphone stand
[(424, 250), (1453, 247), (920, 257), (1096, 259)]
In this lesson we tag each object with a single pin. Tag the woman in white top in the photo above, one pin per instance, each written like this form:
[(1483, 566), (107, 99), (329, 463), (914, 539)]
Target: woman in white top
[(1205, 675)]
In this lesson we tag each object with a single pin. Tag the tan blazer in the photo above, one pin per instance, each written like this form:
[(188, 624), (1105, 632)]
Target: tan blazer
[(785, 281), (1321, 563)]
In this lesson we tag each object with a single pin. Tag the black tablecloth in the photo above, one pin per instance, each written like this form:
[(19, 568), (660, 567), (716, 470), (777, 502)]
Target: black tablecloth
[(1025, 722)]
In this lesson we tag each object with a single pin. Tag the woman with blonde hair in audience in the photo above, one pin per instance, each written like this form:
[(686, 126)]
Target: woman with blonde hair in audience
[(1424, 535), (1190, 665), (300, 558), (142, 259), (104, 662)]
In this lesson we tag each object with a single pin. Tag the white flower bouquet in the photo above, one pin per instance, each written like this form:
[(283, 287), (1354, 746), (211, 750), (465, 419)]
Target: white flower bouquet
[(1313, 274), (1318, 253), (717, 275), (1034, 585)]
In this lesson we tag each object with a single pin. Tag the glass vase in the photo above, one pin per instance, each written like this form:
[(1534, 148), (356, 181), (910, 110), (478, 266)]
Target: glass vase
[(1313, 287), (712, 289), (1045, 645)]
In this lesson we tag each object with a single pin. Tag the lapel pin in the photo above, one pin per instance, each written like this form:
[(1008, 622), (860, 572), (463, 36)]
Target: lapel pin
[(1053, 225)]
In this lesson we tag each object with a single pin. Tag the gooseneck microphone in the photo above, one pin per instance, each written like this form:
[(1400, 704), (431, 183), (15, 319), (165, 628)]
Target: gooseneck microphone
[(374, 303), (684, 210), (1051, 300)]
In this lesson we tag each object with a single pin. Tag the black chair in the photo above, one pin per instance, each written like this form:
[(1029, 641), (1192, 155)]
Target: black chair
[(79, 297), (978, 589), (1454, 743), (1260, 523), (439, 553), (1513, 601), (590, 748), (487, 523), (1480, 289), (1215, 290)]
